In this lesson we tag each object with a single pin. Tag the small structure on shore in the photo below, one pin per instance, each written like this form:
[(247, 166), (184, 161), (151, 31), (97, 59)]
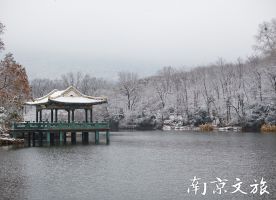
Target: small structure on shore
[(54, 130)]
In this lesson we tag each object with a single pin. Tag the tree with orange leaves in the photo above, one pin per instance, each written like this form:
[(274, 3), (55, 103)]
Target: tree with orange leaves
[(14, 86)]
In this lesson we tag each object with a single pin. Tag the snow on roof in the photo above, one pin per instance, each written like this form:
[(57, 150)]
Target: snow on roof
[(57, 93), (70, 95), (77, 100)]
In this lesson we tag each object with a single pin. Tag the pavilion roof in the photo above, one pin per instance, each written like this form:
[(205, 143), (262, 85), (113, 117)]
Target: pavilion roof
[(68, 96)]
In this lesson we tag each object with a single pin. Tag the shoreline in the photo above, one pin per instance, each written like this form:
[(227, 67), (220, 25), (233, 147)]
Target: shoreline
[(6, 140), (10, 141)]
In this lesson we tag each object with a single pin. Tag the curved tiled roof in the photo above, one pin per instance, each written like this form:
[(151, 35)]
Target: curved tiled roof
[(68, 96)]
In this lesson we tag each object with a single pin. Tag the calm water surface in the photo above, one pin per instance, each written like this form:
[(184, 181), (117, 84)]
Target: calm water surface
[(141, 165)]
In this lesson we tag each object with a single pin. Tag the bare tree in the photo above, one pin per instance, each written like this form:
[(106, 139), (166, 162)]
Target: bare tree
[(271, 75), (206, 93), (167, 76), (41, 87), (91, 85), (85, 84), (226, 74), (72, 79), (181, 83), (128, 86), (161, 90), (254, 63)]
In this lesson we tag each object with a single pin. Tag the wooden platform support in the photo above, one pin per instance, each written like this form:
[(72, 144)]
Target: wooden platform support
[(52, 138), (29, 139), (40, 138), (48, 137), (97, 137), (36, 133), (73, 138), (64, 137), (85, 137), (107, 137), (33, 139), (60, 137)]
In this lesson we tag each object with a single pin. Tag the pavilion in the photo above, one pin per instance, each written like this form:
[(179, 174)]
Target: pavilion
[(69, 100)]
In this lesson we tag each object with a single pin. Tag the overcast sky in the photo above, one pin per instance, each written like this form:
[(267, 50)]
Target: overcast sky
[(102, 37)]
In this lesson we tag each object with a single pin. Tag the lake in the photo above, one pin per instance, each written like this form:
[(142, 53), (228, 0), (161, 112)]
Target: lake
[(153, 165)]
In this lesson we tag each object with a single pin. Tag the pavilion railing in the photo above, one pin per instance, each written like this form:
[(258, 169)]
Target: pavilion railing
[(45, 125)]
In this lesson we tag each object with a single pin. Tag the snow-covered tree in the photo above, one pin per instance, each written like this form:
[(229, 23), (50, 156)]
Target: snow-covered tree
[(266, 38), (1, 32), (128, 87)]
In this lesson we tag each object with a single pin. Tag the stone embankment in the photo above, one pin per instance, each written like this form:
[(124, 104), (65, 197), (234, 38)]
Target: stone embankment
[(5, 138)]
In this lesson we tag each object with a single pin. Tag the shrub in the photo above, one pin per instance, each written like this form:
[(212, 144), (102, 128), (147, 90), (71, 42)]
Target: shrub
[(268, 128), (200, 117), (206, 127)]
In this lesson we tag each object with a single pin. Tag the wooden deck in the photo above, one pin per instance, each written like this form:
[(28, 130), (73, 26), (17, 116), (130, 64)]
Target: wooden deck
[(60, 126), (49, 130)]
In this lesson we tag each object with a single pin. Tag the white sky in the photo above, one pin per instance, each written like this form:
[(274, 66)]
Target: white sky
[(102, 37)]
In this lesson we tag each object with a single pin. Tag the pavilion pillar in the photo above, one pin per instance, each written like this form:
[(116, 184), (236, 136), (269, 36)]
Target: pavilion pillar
[(91, 115), (86, 115), (73, 115), (36, 118), (52, 115), (68, 116), (40, 115), (56, 115)]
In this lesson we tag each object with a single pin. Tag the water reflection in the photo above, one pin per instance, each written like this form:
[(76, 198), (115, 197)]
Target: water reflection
[(139, 165)]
